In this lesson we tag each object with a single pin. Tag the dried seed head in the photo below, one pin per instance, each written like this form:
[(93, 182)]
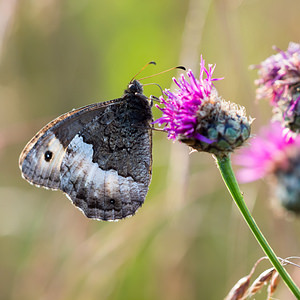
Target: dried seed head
[(261, 281), (273, 284), (240, 289), (197, 116)]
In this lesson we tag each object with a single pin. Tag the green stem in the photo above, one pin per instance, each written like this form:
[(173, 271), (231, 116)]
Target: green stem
[(224, 164)]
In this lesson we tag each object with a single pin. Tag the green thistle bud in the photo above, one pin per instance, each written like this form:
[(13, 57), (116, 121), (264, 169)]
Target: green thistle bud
[(223, 123)]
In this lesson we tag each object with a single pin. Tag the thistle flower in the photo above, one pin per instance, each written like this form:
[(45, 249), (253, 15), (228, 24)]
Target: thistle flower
[(279, 81), (273, 155), (194, 114), (197, 116)]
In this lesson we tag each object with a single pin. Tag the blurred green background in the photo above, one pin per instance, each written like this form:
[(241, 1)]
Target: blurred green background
[(188, 241)]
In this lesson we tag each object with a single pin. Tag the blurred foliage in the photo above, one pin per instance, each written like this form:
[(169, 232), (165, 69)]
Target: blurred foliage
[(188, 241)]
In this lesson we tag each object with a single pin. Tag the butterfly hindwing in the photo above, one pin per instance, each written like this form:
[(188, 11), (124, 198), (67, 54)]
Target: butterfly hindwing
[(112, 158)]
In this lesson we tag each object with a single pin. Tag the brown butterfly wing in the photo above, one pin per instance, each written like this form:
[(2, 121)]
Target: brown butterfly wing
[(99, 155)]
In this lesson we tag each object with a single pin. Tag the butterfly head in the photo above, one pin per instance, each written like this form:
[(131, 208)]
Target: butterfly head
[(134, 87)]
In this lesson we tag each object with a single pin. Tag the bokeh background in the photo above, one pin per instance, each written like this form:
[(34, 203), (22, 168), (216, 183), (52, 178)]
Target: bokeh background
[(188, 241)]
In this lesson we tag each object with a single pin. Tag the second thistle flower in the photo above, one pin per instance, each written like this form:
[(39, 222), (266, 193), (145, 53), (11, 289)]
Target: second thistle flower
[(279, 80), (276, 157), (194, 114)]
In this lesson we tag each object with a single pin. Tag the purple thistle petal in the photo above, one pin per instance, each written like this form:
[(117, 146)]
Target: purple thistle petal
[(180, 111), (204, 139)]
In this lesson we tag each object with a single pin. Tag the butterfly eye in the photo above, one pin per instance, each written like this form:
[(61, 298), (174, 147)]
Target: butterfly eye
[(48, 155), (112, 201)]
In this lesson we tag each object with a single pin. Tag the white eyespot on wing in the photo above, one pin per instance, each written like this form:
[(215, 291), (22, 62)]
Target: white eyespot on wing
[(40, 169)]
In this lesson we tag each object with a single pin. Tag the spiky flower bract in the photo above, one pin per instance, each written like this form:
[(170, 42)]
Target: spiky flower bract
[(279, 81), (277, 157), (194, 114)]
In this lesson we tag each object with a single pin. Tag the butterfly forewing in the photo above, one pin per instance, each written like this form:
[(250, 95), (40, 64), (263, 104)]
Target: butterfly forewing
[(54, 138)]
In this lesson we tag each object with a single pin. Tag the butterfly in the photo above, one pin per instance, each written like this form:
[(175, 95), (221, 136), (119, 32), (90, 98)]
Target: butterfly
[(99, 155)]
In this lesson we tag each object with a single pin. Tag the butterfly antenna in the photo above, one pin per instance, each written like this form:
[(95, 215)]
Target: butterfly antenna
[(155, 84), (143, 68), (178, 67)]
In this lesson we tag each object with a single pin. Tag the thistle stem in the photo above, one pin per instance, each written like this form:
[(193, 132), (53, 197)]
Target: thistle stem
[(230, 181)]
